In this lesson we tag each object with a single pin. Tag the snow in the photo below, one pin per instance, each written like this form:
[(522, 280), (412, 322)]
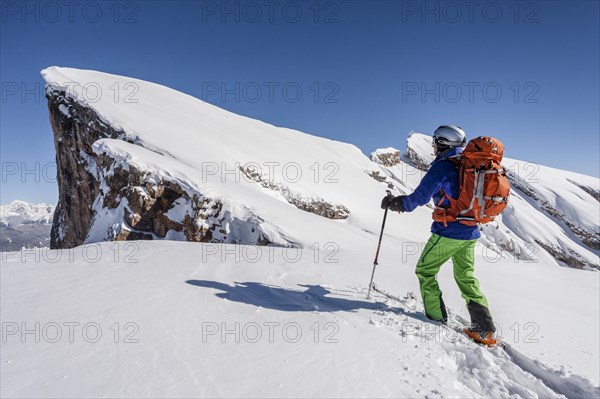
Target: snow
[(561, 189), (421, 144), (219, 320), (179, 211), (383, 151), (195, 307), (64, 110), (20, 212), (206, 145)]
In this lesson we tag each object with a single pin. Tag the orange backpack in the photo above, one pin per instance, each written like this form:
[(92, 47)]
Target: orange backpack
[(484, 187)]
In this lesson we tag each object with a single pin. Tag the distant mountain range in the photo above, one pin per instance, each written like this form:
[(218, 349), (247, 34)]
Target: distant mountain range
[(25, 225)]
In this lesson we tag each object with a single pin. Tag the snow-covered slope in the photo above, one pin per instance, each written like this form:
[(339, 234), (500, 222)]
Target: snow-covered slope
[(169, 319), (25, 225), (250, 172)]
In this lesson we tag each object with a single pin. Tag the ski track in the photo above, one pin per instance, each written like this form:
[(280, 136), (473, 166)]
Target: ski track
[(485, 372)]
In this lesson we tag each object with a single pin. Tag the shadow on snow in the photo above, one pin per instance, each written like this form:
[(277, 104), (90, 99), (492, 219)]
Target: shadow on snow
[(312, 298)]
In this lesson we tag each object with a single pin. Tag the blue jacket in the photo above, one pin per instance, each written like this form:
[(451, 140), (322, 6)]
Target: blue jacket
[(442, 175)]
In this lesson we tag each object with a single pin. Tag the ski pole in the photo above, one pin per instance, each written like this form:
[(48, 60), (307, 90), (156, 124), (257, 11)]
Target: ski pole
[(389, 194)]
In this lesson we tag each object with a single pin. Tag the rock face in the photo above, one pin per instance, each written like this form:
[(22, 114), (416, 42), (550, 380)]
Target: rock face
[(75, 129), (378, 176), (595, 193), (103, 198), (147, 205), (318, 206), (386, 156), (419, 151), (92, 186)]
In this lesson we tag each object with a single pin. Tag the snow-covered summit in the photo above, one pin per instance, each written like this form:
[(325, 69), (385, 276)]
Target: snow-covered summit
[(386, 156), (232, 178), (419, 150)]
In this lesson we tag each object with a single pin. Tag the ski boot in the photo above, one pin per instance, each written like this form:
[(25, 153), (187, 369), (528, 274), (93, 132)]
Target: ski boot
[(486, 338)]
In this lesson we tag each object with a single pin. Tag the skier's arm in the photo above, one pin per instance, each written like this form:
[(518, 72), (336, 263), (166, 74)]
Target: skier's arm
[(431, 184)]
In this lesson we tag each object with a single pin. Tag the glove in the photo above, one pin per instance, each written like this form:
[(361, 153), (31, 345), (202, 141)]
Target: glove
[(385, 202), (396, 204), (393, 203)]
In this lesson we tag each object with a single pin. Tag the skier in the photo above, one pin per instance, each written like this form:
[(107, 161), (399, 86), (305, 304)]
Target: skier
[(449, 239)]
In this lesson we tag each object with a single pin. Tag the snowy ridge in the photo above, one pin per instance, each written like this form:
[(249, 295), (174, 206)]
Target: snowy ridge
[(386, 156), (208, 146), (213, 153), (20, 212), (25, 225), (419, 151)]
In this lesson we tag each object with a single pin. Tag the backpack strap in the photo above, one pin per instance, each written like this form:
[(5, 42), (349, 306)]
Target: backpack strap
[(455, 159), (439, 207)]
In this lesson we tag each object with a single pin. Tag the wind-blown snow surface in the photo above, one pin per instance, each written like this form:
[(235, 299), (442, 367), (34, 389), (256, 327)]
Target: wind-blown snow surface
[(218, 320)]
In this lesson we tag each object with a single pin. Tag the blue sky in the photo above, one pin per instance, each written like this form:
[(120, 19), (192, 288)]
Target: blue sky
[(364, 72)]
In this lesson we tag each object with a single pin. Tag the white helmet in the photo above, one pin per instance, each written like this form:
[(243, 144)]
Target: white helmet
[(449, 136)]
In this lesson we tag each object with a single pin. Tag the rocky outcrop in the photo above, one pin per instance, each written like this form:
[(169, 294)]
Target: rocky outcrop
[(386, 156), (318, 206), (419, 151), (147, 205), (75, 129), (516, 182), (589, 238), (571, 258), (595, 193), (376, 175), (105, 199), (418, 161)]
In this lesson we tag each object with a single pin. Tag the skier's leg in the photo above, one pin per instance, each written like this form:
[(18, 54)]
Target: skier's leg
[(435, 254), (477, 304)]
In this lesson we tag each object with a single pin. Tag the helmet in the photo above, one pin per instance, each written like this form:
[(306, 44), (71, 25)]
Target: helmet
[(449, 136)]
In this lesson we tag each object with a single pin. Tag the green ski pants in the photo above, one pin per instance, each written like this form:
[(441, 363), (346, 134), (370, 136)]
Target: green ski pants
[(437, 251)]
